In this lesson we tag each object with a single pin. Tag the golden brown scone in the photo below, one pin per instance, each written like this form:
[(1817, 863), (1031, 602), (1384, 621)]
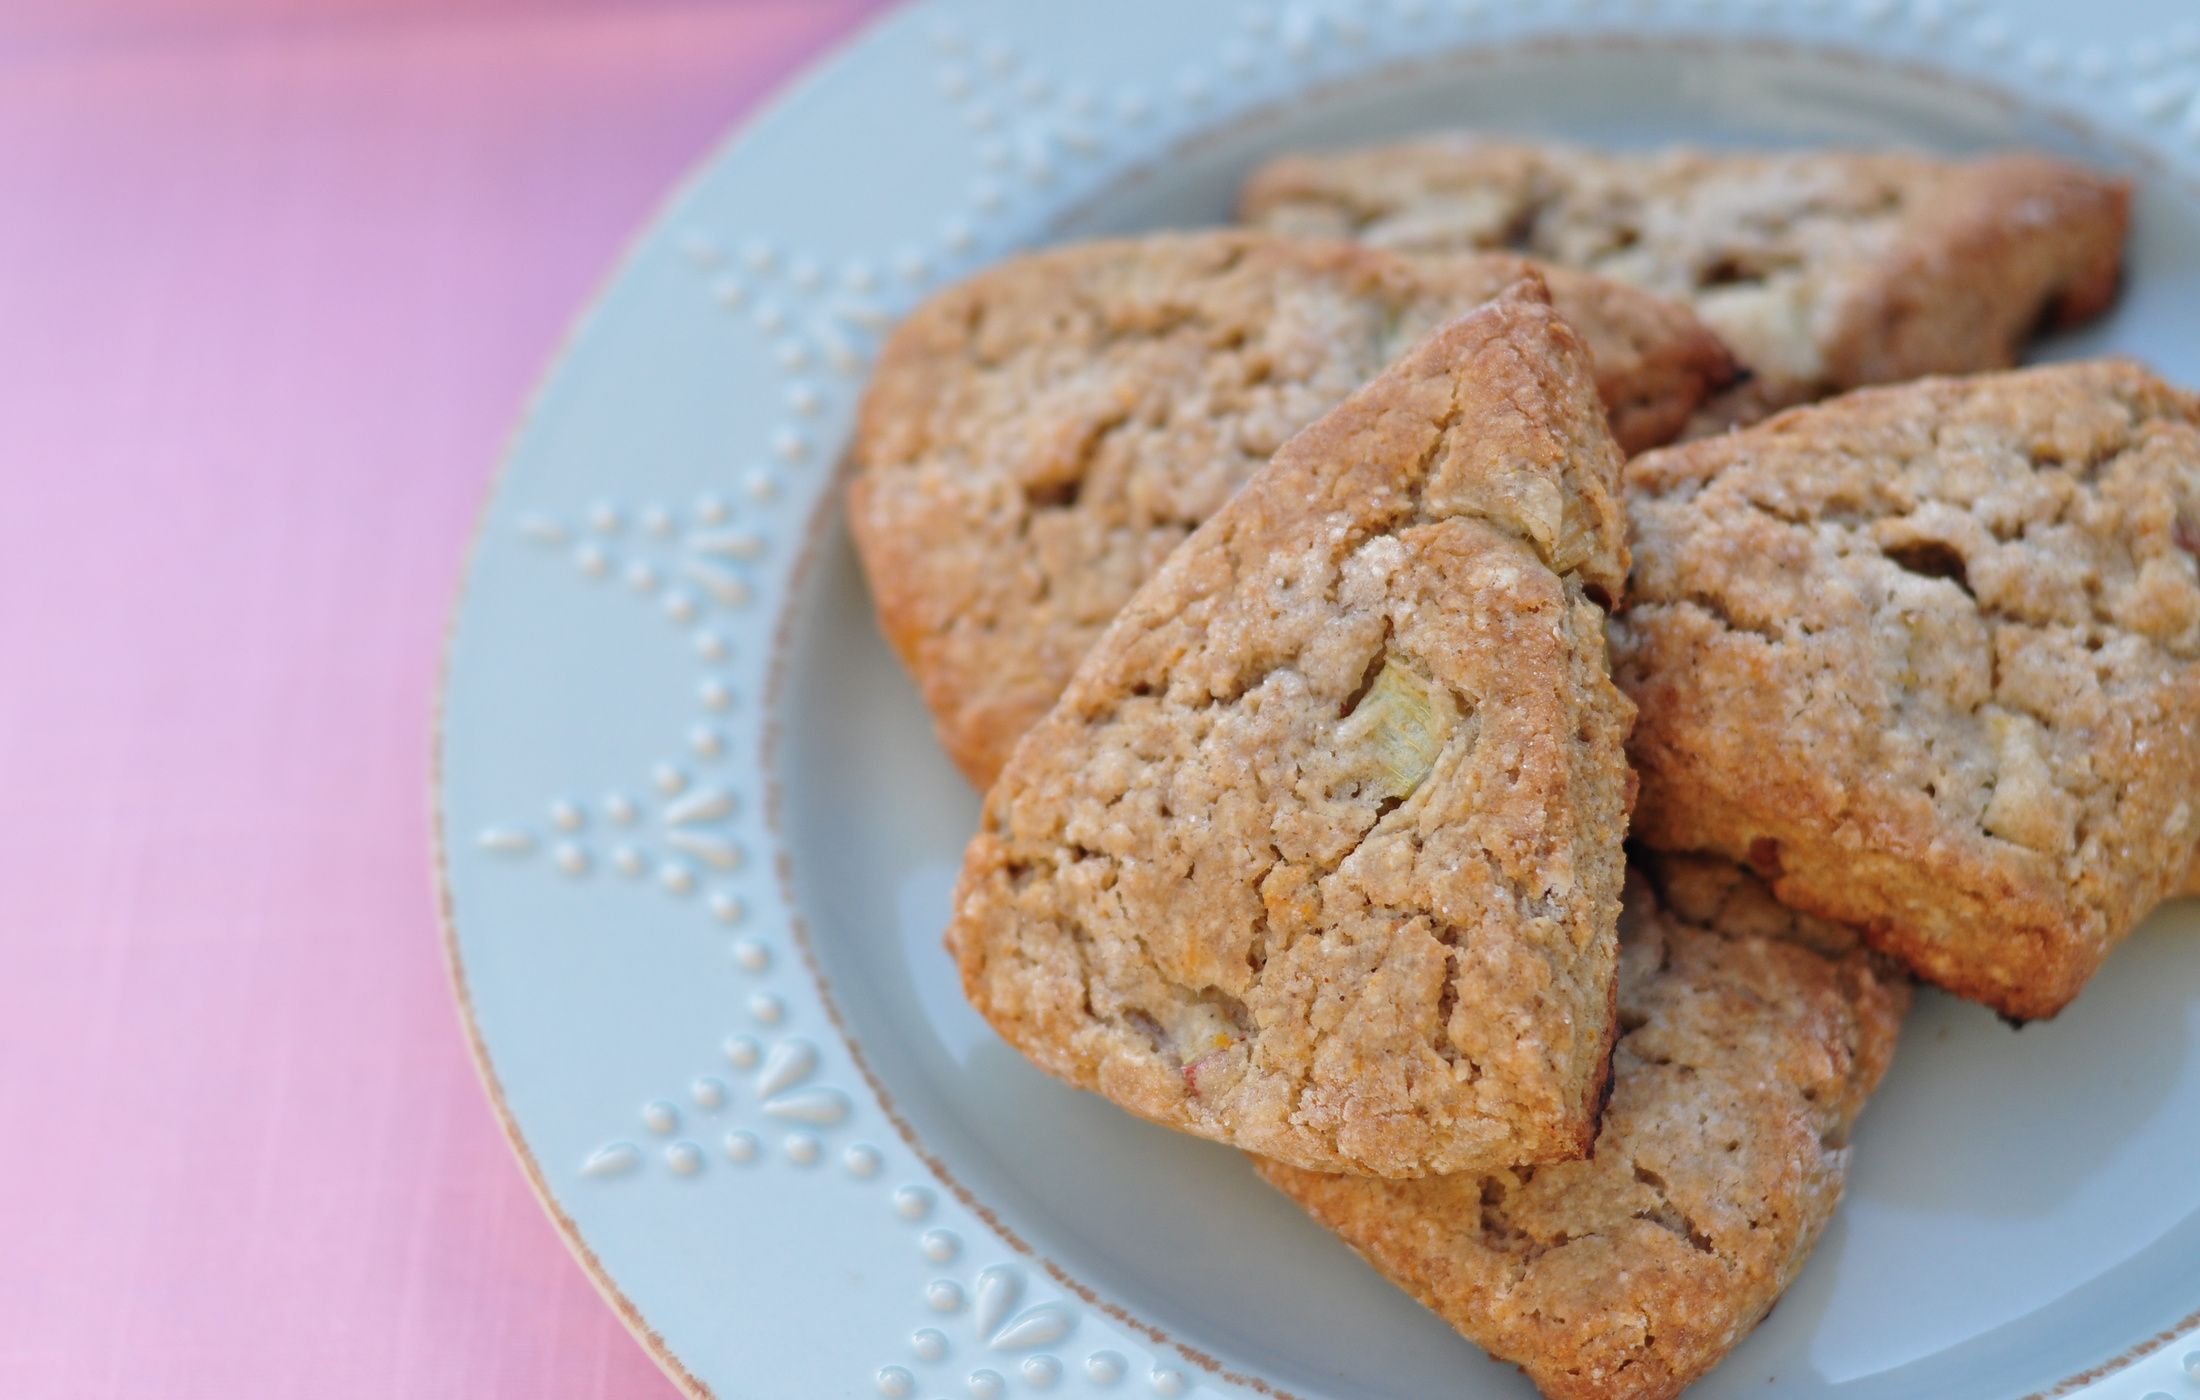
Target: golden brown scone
[(1751, 1037), (1823, 271), (1929, 658), (1319, 855), (1037, 440)]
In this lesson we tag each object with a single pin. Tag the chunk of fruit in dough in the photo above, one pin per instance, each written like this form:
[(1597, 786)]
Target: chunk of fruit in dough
[(1400, 725)]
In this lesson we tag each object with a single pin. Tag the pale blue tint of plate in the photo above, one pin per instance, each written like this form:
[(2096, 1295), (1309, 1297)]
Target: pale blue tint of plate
[(687, 795)]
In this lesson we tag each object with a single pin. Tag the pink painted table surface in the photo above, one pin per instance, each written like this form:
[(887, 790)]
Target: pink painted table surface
[(275, 278)]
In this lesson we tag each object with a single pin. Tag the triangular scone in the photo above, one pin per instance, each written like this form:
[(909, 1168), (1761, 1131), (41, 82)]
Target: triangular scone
[(1319, 854), (1750, 1039), (1822, 270), (1038, 439), (1928, 656)]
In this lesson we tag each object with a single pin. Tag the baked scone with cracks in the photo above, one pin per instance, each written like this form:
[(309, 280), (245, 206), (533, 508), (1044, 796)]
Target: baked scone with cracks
[(1037, 440), (1750, 1038), (1928, 657), (1822, 270), (1319, 854)]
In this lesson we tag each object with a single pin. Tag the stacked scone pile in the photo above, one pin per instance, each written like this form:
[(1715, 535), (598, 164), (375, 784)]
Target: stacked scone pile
[(1521, 849)]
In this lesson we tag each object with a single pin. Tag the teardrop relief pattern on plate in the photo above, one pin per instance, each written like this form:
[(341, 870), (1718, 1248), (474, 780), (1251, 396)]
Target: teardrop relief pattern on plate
[(694, 562), (1011, 1341), (784, 1102)]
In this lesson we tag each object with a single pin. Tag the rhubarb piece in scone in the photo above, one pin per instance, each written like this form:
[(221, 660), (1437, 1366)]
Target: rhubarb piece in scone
[(1038, 439), (1822, 270), (1928, 657), (1750, 1038), (1319, 854)]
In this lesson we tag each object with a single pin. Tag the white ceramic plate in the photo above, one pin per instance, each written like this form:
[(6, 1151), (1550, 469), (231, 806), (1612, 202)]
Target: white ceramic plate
[(698, 842)]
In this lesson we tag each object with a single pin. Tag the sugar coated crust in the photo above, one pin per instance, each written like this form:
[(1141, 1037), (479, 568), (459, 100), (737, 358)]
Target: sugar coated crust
[(1823, 270), (1319, 854), (1929, 658), (1037, 440), (1750, 1038)]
